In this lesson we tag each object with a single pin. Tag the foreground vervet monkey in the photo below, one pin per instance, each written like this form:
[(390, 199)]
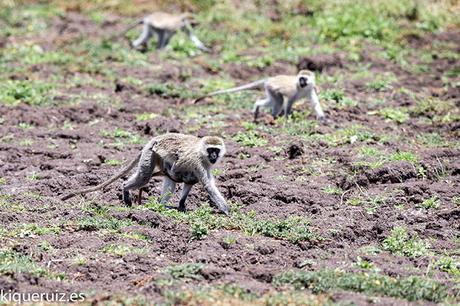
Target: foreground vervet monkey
[(178, 158), (165, 25), (281, 93)]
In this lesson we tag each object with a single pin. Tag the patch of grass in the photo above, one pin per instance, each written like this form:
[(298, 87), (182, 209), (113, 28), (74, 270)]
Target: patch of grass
[(13, 92), (228, 294), (348, 135), (379, 84), (410, 288), (399, 115), (13, 263), (112, 162), (169, 91), (102, 223), (338, 97), (202, 220), (45, 246), (449, 265), (400, 243), (432, 203), (456, 200), (250, 139), (185, 271), (32, 230), (332, 190), (404, 156), (297, 124), (124, 136), (122, 250), (364, 264), (146, 116)]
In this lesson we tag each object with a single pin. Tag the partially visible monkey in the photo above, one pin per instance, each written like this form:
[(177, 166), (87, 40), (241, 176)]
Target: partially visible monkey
[(165, 26), (277, 88), (178, 158)]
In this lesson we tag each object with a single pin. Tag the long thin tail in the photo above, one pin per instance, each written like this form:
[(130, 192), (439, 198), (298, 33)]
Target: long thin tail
[(252, 85), (131, 26), (106, 183)]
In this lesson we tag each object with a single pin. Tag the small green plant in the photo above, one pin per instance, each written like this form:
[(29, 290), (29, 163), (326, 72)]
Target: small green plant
[(45, 246), (405, 156), (122, 250), (185, 271), (12, 262), (32, 230), (411, 288), (455, 200), (250, 139), (449, 265), (79, 260), (112, 162), (146, 116), (399, 115), (169, 91), (13, 92), (294, 228), (400, 243), (228, 240), (354, 202), (379, 85), (338, 96), (431, 203), (97, 223), (332, 190), (199, 230), (364, 264)]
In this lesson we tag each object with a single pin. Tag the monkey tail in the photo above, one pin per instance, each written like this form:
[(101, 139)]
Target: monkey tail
[(106, 183), (131, 26), (252, 85)]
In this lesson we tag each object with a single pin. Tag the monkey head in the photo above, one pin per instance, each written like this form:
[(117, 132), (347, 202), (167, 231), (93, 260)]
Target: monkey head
[(212, 149), (306, 79)]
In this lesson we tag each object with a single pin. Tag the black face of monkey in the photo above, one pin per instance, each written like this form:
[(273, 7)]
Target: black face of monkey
[(213, 155), (303, 82)]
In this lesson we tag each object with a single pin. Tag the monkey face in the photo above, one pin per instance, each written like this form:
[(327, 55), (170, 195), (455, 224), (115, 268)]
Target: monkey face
[(213, 155), (303, 82)]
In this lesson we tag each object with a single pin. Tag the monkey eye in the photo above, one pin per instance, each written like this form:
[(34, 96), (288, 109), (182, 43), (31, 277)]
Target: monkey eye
[(213, 150)]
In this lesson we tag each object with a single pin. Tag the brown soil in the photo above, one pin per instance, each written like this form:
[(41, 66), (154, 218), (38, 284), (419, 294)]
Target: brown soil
[(77, 157)]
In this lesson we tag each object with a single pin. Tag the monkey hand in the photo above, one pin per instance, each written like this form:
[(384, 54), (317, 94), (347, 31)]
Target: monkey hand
[(322, 119)]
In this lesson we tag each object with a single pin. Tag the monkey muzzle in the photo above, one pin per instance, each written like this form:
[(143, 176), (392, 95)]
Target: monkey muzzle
[(303, 82), (213, 157)]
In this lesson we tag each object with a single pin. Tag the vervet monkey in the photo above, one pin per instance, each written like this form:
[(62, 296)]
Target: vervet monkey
[(178, 158), (165, 25), (277, 88)]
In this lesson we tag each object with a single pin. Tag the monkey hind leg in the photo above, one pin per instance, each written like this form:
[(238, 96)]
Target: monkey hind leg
[(140, 178), (144, 37), (259, 103)]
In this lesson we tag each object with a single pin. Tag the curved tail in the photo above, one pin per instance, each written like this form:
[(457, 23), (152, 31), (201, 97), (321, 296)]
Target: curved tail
[(122, 172), (252, 85)]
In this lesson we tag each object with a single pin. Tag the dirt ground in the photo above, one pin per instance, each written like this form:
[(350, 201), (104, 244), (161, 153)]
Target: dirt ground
[(48, 150)]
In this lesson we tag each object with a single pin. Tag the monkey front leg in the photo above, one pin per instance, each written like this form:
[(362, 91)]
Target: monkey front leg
[(314, 100), (194, 39), (208, 183)]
